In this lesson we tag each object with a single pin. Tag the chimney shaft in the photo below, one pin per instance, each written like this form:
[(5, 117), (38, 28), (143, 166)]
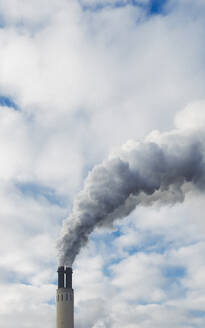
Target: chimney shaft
[(64, 299)]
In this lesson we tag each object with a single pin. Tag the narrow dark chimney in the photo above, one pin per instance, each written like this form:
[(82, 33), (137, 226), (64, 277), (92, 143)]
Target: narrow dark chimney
[(61, 272), (69, 272)]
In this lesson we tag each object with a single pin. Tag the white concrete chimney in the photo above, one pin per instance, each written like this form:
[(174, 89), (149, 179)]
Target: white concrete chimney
[(64, 299)]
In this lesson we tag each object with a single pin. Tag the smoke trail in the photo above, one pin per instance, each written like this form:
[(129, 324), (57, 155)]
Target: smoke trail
[(160, 168)]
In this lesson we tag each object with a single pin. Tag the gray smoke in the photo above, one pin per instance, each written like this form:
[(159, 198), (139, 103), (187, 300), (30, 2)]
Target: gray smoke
[(157, 169)]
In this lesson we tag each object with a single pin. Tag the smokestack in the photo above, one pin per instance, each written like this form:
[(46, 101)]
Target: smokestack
[(69, 277), (64, 299), (60, 277)]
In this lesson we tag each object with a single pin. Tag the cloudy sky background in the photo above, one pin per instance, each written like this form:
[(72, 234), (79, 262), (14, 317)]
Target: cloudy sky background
[(77, 80)]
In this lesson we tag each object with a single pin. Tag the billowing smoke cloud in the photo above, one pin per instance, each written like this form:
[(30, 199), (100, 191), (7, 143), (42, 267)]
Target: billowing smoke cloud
[(163, 167)]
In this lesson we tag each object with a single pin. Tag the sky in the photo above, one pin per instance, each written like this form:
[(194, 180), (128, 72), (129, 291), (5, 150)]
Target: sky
[(77, 80)]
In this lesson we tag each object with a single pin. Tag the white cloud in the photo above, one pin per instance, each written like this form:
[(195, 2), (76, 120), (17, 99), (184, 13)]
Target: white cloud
[(192, 116), (26, 305)]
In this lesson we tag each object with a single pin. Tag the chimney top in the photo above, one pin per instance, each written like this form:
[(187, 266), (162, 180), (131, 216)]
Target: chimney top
[(64, 277)]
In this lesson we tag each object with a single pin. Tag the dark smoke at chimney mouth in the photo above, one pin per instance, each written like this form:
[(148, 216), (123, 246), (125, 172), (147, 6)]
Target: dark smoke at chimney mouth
[(157, 169)]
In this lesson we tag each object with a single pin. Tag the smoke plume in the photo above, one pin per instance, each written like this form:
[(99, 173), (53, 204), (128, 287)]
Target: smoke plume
[(163, 167)]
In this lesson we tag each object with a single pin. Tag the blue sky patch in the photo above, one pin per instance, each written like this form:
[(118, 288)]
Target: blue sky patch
[(153, 7), (197, 313), (52, 301), (174, 272), (157, 6), (99, 5), (151, 243), (38, 191), (8, 102), (173, 284)]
